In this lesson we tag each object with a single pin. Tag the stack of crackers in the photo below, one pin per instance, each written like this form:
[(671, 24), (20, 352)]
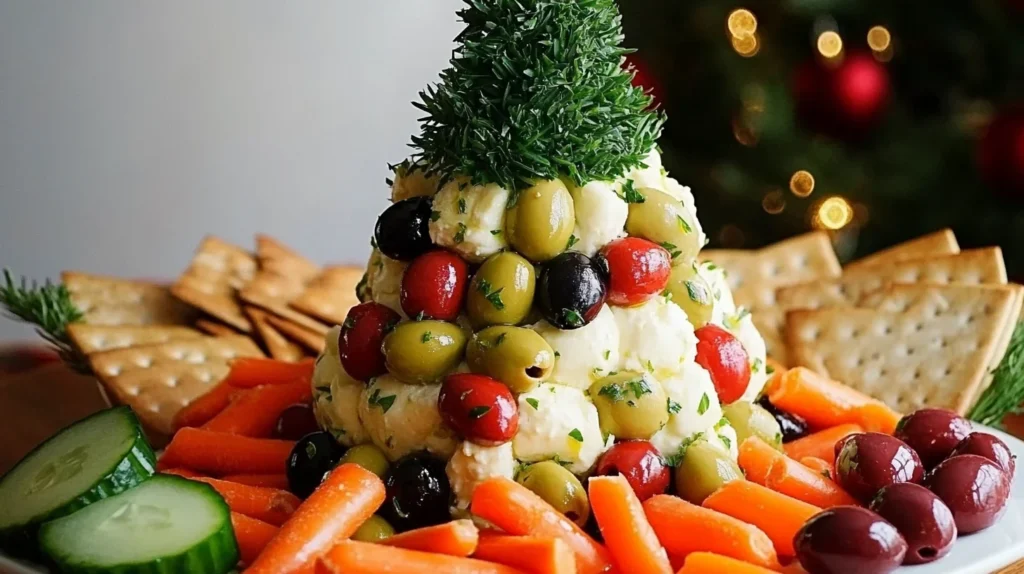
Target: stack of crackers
[(919, 324), (158, 347)]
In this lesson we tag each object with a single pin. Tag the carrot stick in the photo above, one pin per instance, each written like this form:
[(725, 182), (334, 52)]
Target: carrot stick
[(455, 538), (629, 537), (248, 372), (768, 467), (778, 515), (348, 496), (354, 557), (221, 453), (708, 563), (821, 444), (822, 467), (676, 521), (266, 504), (255, 412), (824, 403), (252, 535), (182, 472), (528, 553), (516, 510), (278, 481), (204, 408)]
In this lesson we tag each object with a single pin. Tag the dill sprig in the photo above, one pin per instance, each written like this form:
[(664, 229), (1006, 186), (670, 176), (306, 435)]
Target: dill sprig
[(536, 90), (49, 308), (1006, 393)]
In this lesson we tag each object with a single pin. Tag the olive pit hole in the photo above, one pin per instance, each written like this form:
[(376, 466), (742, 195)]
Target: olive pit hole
[(927, 552), (534, 372), (572, 515)]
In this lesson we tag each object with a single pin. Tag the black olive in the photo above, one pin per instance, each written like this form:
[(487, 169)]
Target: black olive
[(403, 231), (570, 290), (418, 493), (793, 427), (313, 456)]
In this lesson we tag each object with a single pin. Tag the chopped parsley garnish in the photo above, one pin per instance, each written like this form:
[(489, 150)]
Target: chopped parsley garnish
[(733, 321), (607, 354), (460, 234), (532, 402), (674, 407), (769, 370), (576, 435), (683, 224), (630, 193), (697, 292), (572, 317), (426, 337), (493, 297), (676, 458), (384, 403), (495, 232), (462, 205), (826, 473), (711, 266), (650, 367), (672, 249), (500, 339), (349, 322), (557, 354), (435, 215), (478, 412), (725, 440), (573, 240), (705, 403), (756, 365)]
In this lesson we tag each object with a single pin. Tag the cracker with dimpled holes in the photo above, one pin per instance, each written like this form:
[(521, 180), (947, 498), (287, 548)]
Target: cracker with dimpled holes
[(754, 276), (114, 301), (330, 296), (939, 243), (91, 339), (158, 380), (282, 277), (971, 267), (309, 339), (211, 283), (923, 345), (279, 347)]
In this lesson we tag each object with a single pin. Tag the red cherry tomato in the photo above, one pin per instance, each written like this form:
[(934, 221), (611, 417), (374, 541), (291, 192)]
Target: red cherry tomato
[(361, 336), (637, 269), (434, 284), (479, 408), (723, 356), (640, 463), (296, 422)]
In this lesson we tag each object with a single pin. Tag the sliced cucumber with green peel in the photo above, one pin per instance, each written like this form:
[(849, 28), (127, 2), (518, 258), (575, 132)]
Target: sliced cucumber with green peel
[(165, 525), (97, 457)]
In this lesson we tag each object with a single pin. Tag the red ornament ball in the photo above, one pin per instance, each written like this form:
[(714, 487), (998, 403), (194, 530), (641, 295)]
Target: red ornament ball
[(845, 100), (1001, 153), (644, 78)]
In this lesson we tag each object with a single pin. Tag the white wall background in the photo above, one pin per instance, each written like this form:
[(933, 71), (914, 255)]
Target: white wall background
[(131, 128)]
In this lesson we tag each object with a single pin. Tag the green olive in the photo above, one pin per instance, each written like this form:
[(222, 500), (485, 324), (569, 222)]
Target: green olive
[(374, 529), (367, 456), (421, 352), (541, 222), (749, 419), (516, 356), (630, 404), (559, 488), (703, 469), (692, 293), (664, 220), (501, 292)]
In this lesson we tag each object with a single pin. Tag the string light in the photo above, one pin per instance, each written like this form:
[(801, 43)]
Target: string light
[(802, 183), (774, 202), (731, 236), (834, 213), (744, 131), (879, 38), (741, 23), (746, 46), (752, 97), (830, 44)]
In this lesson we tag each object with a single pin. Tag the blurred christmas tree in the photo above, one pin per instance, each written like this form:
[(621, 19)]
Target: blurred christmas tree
[(878, 121)]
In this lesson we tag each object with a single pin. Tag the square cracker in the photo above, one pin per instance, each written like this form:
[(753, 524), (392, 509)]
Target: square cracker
[(972, 267), (114, 301), (214, 327), (941, 242), (309, 339), (924, 345), (91, 339), (211, 282), (282, 277), (279, 347), (754, 276), (281, 259), (158, 380), (330, 296)]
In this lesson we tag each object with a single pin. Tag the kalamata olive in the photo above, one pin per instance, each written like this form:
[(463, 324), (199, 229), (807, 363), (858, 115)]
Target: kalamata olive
[(973, 487), (418, 493), (402, 230), (359, 344), (925, 522), (849, 540), (793, 427), (295, 422), (570, 290), (312, 457), (637, 270), (933, 433), (724, 358), (480, 408), (434, 285), (990, 447), (640, 463), (869, 461)]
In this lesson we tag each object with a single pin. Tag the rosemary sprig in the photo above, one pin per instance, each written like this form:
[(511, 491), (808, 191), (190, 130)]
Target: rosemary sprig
[(50, 309), (536, 90), (1006, 393)]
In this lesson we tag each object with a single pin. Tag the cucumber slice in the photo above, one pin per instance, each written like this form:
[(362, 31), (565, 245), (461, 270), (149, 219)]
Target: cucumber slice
[(165, 525), (99, 456)]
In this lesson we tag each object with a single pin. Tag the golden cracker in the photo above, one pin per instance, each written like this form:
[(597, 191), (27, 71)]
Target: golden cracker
[(113, 301), (211, 283), (91, 339), (331, 295), (215, 328), (941, 242), (309, 339), (279, 347)]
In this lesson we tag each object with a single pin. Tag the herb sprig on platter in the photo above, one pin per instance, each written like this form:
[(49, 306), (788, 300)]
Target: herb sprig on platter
[(49, 308), (1006, 393)]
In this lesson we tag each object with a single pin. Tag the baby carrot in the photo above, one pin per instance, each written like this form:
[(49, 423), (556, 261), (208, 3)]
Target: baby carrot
[(822, 467), (826, 403), (182, 472), (252, 535), (348, 496), (778, 515), (528, 553), (279, 481), (221, 453), (266, 504), (204, 408), (676, 521), (821, 444), (455, 538), (629, 537), (255, 412), (708, 563), (768, 467), (516, 510), (248, 372), (354, 557)]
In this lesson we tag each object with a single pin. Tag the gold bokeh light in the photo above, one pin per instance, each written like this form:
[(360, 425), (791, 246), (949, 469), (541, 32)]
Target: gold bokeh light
[(830, 44), (879, 38), (746, 46), (774, 202), (741, 23), (834, 213), (802, 183)]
